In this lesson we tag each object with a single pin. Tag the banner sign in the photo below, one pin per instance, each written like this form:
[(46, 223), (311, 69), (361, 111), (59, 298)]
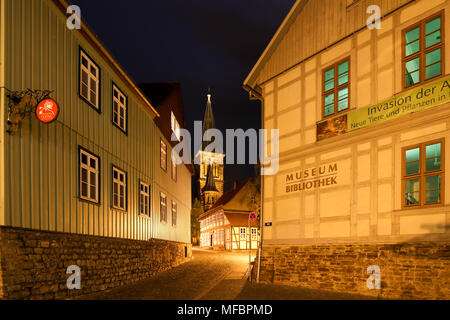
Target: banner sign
[(414, 100)]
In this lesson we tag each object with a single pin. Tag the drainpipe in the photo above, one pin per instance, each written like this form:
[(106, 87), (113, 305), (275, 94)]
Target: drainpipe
[(255, 95)]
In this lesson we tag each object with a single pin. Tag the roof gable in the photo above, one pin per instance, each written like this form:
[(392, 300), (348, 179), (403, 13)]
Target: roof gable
[(313, 26), (237, 200)]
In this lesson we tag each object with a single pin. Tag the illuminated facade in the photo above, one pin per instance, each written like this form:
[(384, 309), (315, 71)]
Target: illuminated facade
[(364, 124), (225, 226), (100, 176)]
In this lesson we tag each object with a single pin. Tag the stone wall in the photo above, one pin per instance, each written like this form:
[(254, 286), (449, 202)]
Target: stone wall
[(408, 271), (33, 264)]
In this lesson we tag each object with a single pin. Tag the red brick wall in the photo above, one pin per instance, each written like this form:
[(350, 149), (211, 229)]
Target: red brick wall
[(33, 264)]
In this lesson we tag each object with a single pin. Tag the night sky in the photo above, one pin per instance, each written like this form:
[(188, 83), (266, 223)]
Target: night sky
[(198, 43)]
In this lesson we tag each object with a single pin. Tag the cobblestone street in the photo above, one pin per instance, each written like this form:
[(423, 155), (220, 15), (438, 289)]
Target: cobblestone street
[(211, 276)]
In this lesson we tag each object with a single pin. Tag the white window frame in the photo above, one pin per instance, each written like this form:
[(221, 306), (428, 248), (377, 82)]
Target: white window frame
[(242, 235), (121, 106), (174, 214), (120, 181), (90, 170), (163, 150), (163, 204), (254, 234), (175, 126), (144, 199), (91, 78), (174, 171)]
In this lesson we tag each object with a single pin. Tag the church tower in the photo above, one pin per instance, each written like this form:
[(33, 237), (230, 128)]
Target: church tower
[(209, 191), (210, 171)]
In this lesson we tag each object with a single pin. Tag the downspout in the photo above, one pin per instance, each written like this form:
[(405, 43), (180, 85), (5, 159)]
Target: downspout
[(3, 107), (255, 95)]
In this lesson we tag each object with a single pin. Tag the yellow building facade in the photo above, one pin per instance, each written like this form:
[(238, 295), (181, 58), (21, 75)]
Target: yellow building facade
[(363, 117)]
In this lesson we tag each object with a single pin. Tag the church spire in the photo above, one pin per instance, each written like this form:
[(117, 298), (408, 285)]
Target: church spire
[(208, 122), (210, 183)]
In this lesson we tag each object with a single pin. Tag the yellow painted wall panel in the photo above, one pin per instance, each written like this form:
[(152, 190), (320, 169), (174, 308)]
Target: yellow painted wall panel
[(419, 8), (385, 55), (384, 141), (310, 136), (364, 146), (363, 55), (288, 209), (363, 228), (386, 26), (309, 231), (310, 113), (268, 186), (269, 105), (363, 198), (289, 122), (423, 131), (310, 82), (384, 227), (289, 76), (363, 93), (335, 229), (385, 84), (310, 65), (385, 159), (288, 96), (290, 142), (385, 198), (335, 154), (291, 165), (422, 224), (338, 51), (310, 205), (363, 37), (334, 203), (268, 87), (290, 231), (364, 168)]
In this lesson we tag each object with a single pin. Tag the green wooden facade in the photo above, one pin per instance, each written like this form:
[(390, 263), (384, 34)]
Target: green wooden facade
[(39, 166)]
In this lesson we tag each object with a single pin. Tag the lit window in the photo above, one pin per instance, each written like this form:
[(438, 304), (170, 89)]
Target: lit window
[(163, 208), (174, 170), (243, 233), (175, 126), (89, 176), (89, 80), (119, 193), (163, 156), (423, 174), (144, 199), (204, 170), (254, 234), (423, 51), (336, 87), (174, 213), (119, 109)]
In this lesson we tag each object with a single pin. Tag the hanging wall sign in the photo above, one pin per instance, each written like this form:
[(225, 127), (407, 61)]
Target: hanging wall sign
[(47, 111)]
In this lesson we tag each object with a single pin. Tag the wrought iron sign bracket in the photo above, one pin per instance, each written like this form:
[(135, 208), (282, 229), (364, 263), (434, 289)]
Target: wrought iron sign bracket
[(21, 104)]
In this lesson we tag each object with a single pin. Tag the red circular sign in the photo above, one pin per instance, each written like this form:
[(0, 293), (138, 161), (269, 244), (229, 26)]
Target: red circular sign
[(252, 217), (47, 111)]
